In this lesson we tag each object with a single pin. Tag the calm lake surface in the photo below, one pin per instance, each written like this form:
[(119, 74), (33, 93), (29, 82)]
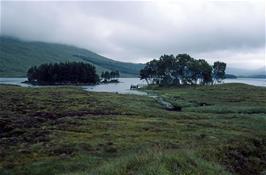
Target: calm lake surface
[(250, 81), (124, 86), (14, 81)]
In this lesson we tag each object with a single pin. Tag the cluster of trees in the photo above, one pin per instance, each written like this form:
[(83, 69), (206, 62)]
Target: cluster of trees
[(63, 73), (182, 69), (219, 71), (107, 76)]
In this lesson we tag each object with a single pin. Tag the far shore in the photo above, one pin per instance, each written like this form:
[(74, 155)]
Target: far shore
[(36, 83)]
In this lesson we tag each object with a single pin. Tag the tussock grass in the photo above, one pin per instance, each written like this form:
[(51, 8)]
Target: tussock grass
[(65, 130)]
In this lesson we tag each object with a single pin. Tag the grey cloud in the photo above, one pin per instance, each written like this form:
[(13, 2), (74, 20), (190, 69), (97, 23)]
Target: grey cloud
[(139, 31)]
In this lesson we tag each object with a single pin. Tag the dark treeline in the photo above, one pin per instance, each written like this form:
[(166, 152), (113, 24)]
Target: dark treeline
[(182, 70), (63, 73), (107, 76)]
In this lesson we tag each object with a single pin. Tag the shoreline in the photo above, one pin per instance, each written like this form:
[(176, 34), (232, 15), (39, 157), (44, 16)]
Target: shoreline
[(35, 83)]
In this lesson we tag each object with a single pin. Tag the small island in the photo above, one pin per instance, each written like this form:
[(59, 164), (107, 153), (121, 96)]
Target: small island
[(68, 73), (110, 77)]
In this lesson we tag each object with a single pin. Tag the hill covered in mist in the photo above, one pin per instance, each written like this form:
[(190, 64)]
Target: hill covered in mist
[(18, 55)]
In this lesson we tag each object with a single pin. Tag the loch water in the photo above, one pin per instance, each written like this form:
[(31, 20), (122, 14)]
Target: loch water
[(123, 87)]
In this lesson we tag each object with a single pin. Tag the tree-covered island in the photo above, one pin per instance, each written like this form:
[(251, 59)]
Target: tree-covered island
[(182, 70), (69, 73), (63, 73), (110, 77)]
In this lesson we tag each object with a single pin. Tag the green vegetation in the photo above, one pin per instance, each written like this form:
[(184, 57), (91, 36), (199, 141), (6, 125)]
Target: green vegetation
[(110, 76), (221, 129), (63, 73), (18, 56), (219, 71), (182, 70)]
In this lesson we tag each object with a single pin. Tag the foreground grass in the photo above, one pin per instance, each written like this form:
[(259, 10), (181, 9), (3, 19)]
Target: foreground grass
[(65, 130)]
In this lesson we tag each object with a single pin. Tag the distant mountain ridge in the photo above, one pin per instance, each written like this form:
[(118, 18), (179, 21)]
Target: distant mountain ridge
[(246, 73), (16, 56)]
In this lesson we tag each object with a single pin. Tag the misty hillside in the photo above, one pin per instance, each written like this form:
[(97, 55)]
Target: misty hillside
[(17, 56), (246, 72)]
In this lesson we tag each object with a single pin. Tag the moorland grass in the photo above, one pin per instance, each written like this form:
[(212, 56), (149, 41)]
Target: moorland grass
[(220, 129)]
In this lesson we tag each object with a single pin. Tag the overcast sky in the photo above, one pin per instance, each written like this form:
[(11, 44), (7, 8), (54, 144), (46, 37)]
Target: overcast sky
[(233, 32)]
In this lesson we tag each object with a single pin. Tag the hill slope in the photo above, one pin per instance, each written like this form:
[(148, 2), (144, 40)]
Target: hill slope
[(16, 56), (246, 72)]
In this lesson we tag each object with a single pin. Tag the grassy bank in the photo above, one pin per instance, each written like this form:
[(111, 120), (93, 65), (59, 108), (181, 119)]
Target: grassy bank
[(65, 130)]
